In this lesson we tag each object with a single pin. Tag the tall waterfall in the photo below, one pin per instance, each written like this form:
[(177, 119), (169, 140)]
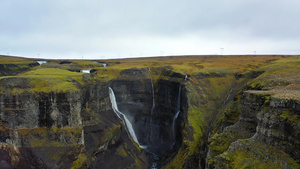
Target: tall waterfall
[(122, 116), (176, 115), (153, 126), (152, 85)]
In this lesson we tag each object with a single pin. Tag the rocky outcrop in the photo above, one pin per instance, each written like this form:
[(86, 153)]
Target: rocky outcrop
[(154, 117), (278, 125), (85, 118), (267, 133), (14, 69)]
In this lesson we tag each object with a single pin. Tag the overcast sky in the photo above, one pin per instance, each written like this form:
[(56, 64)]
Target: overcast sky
[(101, 29)]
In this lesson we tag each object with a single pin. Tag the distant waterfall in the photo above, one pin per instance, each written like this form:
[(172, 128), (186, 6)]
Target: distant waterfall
[(122, 116), (152, 109), (176, 115), (152, 85)]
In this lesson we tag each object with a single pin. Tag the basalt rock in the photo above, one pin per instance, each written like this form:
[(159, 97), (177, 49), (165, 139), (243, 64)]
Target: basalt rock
[(147, 117), (267, 133)]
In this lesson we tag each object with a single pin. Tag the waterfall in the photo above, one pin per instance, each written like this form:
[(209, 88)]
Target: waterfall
[(152, 109), (153, 99), (155, 161), (114, 102), (176, 115), (42, 62), (149, 129), (86, 71), (155, 156), (122, 116)]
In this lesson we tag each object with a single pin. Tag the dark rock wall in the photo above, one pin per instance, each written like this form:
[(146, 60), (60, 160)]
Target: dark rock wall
[(278, 125), (13, 69), (170, 114), (268, 129), (153, 108), (32, 110)]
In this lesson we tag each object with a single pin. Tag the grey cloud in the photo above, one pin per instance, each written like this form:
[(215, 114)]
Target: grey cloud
[(87, 26)]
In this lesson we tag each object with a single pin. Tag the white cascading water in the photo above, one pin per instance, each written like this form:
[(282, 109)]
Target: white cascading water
[(153, 101), (176, 115), (153, 106), (42, 62), (155, 156), (122, 116), (86, 71), (152, 127)]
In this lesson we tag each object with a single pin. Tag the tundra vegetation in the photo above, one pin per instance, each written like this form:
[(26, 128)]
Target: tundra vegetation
[(237, 111)]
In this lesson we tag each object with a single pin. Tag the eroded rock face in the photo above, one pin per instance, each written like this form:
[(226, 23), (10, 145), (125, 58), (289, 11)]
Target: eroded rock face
[(269, 128), (278, 125), (13, 157), (163, 112), (50, 122), (150, 111), (13, 69)]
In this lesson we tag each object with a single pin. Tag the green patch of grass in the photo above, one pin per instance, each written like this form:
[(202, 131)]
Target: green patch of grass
[(219, 87), (39, 137), (195, 119), (14, 60), (256, 155), (192, 64), (178, 161), (51, 79), (220, 143), (291, 118), (218, 71), (108, 73), (55, 73), (44, 80), (183, 69), (121, 151), (79, 162), (87, 64), (280, 72)]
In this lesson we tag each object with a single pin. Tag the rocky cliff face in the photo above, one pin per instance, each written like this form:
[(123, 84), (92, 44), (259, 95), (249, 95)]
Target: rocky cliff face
[(157, 117), (84, 123), (266, 132)]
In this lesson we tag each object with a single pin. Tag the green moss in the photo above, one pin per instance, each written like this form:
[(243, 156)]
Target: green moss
[(46, 80), (50, 79), (178, 160), (79, 162), (57, 73), (40, 137), (109, 136), (108, 73), (182, 69), (195, 119), (15, 60), (121, 151), (139, 163), (203, 99), (218, 71), (87, 64), (57, 156), (267, 100), (232, 113), (220, 143), (251, 154), (291, 118)]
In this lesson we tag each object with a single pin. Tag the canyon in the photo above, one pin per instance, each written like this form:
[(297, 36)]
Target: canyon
[(162, 112)]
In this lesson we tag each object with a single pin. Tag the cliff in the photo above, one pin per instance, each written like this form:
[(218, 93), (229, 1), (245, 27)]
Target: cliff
[(169, 112)]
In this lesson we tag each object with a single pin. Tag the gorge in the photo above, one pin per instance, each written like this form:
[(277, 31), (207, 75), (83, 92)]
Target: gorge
[(164, 112)]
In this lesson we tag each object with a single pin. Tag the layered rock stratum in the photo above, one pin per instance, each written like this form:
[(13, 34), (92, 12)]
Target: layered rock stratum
[(163, 112)]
